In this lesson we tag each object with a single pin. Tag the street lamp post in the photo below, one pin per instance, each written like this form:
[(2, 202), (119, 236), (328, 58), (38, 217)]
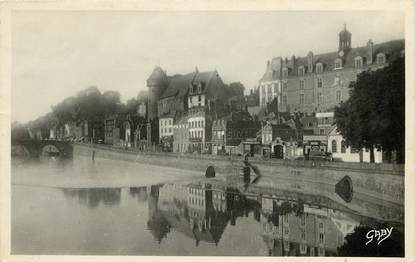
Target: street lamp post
[(138, 133)]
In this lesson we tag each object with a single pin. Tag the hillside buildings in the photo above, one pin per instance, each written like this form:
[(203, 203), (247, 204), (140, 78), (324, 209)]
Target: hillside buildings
[(319, 82), (193, 100), (231, 131)]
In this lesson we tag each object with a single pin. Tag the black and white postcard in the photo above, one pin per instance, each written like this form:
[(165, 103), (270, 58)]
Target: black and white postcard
[(207, 130)]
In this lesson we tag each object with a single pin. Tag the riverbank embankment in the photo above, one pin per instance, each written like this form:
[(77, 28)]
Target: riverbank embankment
[(380, 181)]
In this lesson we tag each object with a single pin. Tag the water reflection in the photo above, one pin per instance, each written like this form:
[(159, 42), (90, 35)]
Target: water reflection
[(285, 223), (139, 192), (93, 197), (288, 226)]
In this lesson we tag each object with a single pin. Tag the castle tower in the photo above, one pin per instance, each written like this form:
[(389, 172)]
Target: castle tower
[(345, 40), (156, 83)]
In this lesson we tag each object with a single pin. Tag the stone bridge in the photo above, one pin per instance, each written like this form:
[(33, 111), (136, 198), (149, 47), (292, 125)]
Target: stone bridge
[(35, 148)]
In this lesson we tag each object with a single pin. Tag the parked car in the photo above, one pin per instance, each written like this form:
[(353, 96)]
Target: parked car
[(320, 156)]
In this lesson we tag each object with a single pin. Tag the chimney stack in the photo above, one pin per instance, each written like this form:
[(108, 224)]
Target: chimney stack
[(310, 57), (369, 52)]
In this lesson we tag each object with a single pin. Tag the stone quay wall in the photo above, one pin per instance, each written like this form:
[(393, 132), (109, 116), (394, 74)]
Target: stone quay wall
[(380, 181)]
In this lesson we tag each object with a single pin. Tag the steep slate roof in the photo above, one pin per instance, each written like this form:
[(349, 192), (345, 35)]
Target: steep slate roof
[(212, 88), (178, 85), (204, 77), (180, 118), (168, 115), (333, 131), (181, 121), (391, 49), (268, 76), (284, 131), (307, 119), (158, 74)]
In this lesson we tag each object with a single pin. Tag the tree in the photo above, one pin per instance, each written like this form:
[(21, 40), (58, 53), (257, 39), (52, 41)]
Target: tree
[(374, 115), (235, 89), (131, 106), (110, 100), (142, 96), (19, 131)]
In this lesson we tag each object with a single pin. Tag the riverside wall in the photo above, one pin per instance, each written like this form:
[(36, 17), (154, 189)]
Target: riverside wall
[(380, 181)]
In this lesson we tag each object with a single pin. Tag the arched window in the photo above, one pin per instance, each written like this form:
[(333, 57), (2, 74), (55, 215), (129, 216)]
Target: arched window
[(334, 146), (343, 147), (380, 58)]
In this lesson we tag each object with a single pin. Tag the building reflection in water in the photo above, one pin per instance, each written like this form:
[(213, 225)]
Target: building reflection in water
[(93, 197), (288, 227), (140, 193), (157, 223), (289, 224)]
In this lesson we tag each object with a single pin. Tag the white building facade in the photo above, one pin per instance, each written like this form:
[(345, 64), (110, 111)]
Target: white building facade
[(337, 146), (165, 127)]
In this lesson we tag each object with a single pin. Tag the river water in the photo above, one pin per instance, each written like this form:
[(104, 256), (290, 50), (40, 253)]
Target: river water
[(112, 207)]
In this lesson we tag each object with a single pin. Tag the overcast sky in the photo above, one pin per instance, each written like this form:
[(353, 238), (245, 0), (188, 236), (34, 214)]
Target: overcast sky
[(56, 54)]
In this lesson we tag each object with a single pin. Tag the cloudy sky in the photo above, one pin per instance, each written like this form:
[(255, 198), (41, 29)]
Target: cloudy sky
[(56, 54)]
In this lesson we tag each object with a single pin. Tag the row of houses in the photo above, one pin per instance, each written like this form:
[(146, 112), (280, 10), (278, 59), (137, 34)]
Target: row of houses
[(265, 134), (121, 130), (288, 136)]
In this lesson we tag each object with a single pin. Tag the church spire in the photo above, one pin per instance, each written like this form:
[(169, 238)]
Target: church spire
[(345, 39)]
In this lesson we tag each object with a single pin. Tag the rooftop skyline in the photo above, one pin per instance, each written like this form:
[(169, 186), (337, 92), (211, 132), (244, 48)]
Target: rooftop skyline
[(56, 54)]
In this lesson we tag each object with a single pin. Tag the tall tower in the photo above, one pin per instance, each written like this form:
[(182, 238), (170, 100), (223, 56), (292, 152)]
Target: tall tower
[(345, 40), (156, 83)]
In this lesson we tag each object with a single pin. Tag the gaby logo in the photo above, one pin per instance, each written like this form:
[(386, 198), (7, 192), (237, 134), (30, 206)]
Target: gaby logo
[(378, 235)]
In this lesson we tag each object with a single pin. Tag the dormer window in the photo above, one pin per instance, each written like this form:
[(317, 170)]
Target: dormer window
[(380, 58), (358, 62), (319, 68), (338, 63), (285, 72), (301, 71)]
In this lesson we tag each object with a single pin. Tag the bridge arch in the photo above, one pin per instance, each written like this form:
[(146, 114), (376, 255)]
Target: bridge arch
[(50, 150), (43, 148)]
